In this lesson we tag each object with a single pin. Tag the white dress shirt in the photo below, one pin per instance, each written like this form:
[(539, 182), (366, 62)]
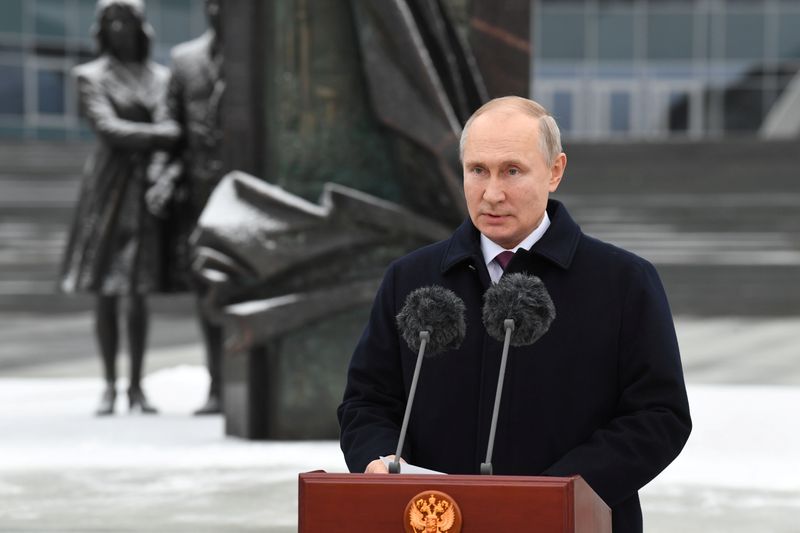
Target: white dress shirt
[(490, 249)]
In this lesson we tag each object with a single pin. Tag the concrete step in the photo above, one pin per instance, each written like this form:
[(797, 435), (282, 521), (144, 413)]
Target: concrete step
[(31, 340), (732, 290), (731, 252), (38, 158), (721, 254), (742, 165)]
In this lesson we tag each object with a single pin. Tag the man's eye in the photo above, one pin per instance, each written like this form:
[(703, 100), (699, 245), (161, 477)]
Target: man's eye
[(477, 171), (513, 171)]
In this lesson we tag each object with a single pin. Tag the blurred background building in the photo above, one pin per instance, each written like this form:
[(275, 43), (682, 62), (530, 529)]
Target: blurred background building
[(681, 119), (663, 69), (607, 68), (41, 40)]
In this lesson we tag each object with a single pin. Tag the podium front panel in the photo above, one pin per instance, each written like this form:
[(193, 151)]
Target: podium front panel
[(331, 503)]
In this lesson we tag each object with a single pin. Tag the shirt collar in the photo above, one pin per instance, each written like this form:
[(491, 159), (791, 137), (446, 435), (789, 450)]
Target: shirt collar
[(557, 245), (490, 249)]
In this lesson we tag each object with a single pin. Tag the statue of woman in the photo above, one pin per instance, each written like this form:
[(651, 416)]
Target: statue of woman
[(113, 248)]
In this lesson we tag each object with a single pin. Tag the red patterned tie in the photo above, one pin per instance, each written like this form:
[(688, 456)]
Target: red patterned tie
[(503, 259)]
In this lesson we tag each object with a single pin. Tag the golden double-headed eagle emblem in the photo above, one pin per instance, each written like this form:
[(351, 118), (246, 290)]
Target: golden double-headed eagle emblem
[(432, 512)]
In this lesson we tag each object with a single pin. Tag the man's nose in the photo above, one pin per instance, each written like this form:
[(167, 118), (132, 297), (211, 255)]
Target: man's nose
[(494, 193)]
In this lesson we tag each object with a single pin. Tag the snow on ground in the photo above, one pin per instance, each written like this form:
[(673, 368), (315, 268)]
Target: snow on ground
[(744, 436), (740, 470), (47, 423)]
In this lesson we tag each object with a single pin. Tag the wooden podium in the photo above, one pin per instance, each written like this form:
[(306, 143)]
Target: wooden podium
[(334, 503)]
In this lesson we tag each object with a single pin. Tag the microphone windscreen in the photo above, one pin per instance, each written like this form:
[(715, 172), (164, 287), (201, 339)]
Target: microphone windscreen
[(436, 308), (524, 299)]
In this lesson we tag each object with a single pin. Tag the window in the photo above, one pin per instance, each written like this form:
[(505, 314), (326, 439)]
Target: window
[(562, 34), (176, 24), (615, 34), (620, 112), (12, 97), (743, 109), (678, 118), (670, 35), (50, 18), (85, 15), (789, 36), (51, 89), (744, 35), (562, 110), (11, 18)]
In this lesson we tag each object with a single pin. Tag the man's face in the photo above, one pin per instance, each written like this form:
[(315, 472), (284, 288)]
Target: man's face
[(506, 178)]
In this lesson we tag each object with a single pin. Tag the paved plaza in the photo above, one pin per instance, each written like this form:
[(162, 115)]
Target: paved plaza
[(63, 470)]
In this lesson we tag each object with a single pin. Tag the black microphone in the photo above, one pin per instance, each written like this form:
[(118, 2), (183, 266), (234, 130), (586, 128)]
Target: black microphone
[(517, 311), (432, 318)]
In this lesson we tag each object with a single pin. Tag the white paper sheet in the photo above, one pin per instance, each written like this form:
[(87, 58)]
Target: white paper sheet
[(406, 468)]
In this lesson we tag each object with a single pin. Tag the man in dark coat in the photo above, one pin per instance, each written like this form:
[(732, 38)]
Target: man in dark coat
[(600, 395)]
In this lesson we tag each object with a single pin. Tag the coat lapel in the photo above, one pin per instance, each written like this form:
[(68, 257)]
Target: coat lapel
[(557, 245)]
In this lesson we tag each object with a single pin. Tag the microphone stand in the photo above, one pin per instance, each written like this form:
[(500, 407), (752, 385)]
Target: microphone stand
[(486, 467), (424, 337)]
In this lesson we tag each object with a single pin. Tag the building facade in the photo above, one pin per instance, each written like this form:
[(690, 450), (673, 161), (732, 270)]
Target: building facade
[(658, 69), (40, 42)]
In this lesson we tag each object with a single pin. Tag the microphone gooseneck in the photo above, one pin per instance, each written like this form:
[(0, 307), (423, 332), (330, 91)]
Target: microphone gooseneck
[(517, 311), (432, 318)]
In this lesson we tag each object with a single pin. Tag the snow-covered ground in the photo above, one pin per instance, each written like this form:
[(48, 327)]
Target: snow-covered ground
[(740, 470), (62, 469), (47, 423)]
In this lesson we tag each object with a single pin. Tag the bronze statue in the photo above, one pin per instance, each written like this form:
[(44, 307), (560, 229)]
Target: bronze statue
[(113, 248), (185, 184)]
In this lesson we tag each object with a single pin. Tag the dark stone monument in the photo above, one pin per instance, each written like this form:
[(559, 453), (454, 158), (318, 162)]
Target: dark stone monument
[(301, 274), (500, 35), (349, 114)]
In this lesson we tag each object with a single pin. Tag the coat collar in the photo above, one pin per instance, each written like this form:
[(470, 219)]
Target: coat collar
[(557, 245)]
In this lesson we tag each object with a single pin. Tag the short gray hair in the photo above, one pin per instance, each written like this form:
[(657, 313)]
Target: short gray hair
[(549, 134)]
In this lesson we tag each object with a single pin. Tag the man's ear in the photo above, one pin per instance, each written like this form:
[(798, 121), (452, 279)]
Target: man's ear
[(557, 171)]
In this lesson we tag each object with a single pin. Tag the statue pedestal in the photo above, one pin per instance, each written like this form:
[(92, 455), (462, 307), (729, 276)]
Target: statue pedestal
[(287, 388), (248, 382)]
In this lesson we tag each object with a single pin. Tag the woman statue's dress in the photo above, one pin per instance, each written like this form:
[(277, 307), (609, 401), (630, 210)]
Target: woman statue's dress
[(113, 247)]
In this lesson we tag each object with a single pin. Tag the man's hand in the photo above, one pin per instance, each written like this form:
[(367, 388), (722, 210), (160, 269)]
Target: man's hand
[(377, 466)]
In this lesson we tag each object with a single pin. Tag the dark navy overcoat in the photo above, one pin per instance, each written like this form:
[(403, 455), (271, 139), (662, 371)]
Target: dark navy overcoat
[(601, 394)]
